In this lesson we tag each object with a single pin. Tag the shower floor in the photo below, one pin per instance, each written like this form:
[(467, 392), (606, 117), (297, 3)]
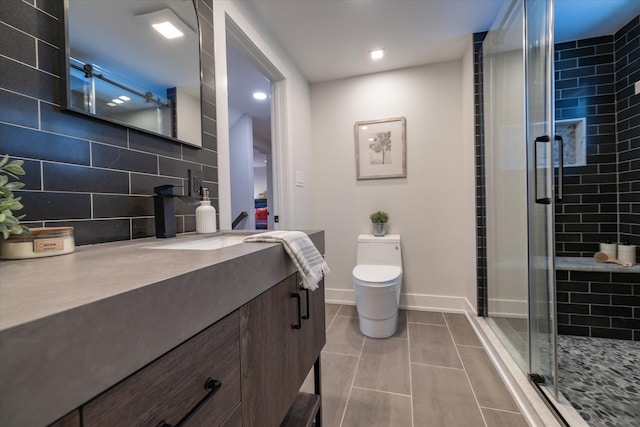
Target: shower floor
[(601, 379)]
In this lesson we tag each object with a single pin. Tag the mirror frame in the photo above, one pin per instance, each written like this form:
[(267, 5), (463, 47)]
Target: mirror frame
[(65, 78)]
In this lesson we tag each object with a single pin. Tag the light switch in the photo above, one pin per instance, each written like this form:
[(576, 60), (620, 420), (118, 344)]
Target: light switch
[(299, 179)]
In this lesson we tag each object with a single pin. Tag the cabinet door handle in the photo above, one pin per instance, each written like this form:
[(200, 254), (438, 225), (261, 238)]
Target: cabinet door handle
[(306, 292), (212, 386), (297, 297)]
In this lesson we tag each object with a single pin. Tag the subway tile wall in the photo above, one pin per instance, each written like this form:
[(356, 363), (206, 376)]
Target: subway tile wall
[(86, 173), (627, 69), (584, 87), (595, 79), (481, 229), (598, 304)]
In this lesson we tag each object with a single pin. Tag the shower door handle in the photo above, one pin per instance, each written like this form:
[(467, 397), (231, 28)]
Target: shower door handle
[(543, 183), (560, 142)]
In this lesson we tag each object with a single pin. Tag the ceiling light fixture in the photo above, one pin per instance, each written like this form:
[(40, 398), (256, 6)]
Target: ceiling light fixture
[(124, 97), (167, 23), (168, 30), (117, 101), (260, 96), (111, 104), (377, 54)]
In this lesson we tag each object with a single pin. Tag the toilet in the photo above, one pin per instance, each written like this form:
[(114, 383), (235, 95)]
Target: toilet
[(376, 279)]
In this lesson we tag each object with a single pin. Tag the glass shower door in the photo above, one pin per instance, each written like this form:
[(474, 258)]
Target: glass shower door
[(540, 190), (518, 101), (506, 181)]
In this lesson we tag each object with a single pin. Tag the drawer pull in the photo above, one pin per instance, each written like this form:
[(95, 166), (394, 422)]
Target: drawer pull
[(210, 384), (299, 325), (306, 291)]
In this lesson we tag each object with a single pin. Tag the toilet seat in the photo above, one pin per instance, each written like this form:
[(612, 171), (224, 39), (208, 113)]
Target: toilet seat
[(377, 275)]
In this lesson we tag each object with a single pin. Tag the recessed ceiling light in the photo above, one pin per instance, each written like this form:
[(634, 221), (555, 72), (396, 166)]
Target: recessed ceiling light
[(364, 127), (260, 96), (117, 101), (377, 54), (124, 97), (168, 30), (111, 104)]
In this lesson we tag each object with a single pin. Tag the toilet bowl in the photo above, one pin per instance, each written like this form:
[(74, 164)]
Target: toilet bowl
[(377, 280)]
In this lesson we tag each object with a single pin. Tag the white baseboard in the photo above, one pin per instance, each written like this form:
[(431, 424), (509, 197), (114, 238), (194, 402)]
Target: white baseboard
[(508, 308), (418, 302)]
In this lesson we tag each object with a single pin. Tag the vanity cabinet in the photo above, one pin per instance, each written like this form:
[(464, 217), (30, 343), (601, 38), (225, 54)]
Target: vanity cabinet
[(282, 336), (196, 384), (244, 370), (70, 420)]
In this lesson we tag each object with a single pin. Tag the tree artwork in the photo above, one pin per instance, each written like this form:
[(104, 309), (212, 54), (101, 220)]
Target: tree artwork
[(379, 148)]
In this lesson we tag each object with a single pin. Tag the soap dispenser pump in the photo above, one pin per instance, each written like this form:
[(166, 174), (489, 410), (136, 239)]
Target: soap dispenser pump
[(205, 214)]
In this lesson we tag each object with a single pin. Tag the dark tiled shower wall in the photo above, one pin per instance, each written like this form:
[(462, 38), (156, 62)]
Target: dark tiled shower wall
[(584, 87), (481, 229), (598, 304), (90, 174), (627, 68), (595, 79)]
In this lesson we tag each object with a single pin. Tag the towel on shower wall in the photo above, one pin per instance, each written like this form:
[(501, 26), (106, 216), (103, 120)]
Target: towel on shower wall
[(302, 251)]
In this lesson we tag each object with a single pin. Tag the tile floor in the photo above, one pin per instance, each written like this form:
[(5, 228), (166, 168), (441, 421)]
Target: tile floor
[(432, 372), (601, 379)]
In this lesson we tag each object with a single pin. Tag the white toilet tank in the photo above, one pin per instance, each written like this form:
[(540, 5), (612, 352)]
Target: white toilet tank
[(383, 250)]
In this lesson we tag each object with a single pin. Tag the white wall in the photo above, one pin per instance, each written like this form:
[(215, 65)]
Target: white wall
[(468, 226), (432, 209), (241, 160), (259, 181), (293, 146)]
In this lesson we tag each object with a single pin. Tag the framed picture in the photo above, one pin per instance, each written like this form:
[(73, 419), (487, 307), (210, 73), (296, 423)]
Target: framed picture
[(381, 149)]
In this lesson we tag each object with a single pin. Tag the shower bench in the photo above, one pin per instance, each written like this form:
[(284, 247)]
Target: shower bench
[(597, 299)]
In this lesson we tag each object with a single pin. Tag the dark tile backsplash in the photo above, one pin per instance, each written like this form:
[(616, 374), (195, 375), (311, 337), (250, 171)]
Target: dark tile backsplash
[(93, 175), (594, 79)]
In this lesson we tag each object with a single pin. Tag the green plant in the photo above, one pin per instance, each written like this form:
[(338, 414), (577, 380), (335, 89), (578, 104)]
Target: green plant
[(10, 224), (379, 216)]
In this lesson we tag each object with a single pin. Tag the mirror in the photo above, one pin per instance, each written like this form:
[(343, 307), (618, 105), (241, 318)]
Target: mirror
[(120, 68)]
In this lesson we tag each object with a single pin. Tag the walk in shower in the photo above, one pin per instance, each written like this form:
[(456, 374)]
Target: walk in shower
[(569, 324)]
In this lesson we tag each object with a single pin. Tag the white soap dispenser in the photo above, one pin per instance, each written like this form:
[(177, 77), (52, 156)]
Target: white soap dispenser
[(205, 214)]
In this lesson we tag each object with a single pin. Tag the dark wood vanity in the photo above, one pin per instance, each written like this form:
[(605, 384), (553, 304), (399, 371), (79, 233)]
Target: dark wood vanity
[(260, 336), (244, 370)]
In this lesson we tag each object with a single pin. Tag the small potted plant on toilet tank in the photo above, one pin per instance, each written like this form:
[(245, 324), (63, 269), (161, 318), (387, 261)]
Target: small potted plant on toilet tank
[(379, 219)]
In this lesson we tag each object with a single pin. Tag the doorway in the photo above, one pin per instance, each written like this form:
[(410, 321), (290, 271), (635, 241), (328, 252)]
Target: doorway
[(251, 85)]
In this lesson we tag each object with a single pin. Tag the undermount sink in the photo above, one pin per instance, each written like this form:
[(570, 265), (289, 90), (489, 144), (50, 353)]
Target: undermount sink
[(207, 244)]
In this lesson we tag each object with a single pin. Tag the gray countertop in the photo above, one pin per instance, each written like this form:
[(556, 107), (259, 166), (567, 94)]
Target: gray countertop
[(590, 264), (73, 325)]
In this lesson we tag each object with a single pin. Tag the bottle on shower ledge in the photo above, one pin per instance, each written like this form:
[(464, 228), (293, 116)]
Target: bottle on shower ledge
[(611, 249), (205, 214), (627, 252)]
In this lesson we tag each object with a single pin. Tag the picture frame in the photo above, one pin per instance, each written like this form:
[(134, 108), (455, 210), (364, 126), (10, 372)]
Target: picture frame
[(381, 147)]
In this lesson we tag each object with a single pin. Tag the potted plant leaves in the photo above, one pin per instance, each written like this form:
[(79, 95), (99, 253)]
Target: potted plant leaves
[(379, 219), (10, 224)]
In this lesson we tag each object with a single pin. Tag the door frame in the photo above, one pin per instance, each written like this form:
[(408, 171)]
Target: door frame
[(229, 22)]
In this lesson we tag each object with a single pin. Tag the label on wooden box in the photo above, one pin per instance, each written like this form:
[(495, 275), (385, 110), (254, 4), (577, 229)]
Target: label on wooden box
[(45, 245)]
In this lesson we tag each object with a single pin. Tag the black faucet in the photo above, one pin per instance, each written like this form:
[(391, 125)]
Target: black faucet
[(164, 209)]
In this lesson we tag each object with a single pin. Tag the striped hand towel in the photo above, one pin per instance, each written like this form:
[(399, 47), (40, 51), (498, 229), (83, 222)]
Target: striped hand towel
[(302, 251)]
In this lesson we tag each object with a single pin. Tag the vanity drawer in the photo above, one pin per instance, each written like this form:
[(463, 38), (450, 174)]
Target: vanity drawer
[(170, 387)]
